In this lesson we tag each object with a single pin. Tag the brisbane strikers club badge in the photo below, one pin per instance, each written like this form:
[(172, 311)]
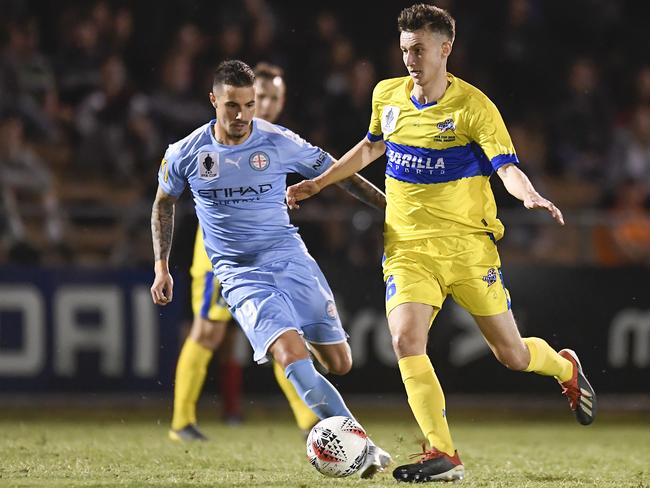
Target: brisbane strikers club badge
[(491, 277), (208, 165), (259, 161)]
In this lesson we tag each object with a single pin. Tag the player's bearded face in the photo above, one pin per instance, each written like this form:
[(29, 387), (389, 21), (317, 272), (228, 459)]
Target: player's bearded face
[(424, 54), (235, 109)]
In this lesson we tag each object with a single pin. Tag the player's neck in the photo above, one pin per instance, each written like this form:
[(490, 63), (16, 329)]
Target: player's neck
[(432, 91), (224, 138)]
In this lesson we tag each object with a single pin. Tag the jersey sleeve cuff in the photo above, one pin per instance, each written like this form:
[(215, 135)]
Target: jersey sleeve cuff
[(174, 192), (374, 138), (503, 159)]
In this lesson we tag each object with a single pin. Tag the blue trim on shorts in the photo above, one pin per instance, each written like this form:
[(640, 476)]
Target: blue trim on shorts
[(207, 294), (391, 287), (503, 283)]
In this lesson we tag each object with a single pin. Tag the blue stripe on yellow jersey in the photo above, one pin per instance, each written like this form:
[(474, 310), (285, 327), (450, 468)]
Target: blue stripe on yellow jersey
[(424, 165), (440, 157)]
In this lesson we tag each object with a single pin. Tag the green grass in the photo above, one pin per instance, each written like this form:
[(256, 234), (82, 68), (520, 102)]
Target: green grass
[(118, 449)]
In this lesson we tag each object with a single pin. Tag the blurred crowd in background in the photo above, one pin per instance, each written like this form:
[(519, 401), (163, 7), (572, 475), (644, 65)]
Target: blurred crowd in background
[(91, 94)]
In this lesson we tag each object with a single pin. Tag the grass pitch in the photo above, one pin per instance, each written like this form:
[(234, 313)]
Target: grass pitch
[(107, 449)]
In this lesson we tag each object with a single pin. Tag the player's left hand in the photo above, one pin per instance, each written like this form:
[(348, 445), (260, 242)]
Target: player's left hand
[(301, 191), (163, 288), (537, 201)]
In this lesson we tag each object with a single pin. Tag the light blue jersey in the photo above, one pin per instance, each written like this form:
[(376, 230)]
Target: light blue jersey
[(239, 191), (269, 280)]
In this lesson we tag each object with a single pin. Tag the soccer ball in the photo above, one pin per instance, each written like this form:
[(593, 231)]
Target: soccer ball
[(337, 446)]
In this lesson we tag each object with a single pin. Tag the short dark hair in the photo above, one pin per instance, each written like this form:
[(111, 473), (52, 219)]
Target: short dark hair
[(233, 72), (425, 16), (268, 71)]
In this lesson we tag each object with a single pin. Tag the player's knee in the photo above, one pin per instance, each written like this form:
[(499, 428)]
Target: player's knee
[(285, 355), (288, 348), (208, 333), (340, 365), (406, 344)]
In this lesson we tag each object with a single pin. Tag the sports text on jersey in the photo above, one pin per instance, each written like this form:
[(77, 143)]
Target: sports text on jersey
[(417, 163), (230, 196), (322, 157)]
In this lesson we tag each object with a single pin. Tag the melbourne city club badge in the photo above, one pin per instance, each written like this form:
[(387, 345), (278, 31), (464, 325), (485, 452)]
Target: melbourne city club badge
[(259, 161)]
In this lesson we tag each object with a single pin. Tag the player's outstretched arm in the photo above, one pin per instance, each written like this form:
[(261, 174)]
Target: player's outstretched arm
[(162, 230), (357, 158), (361, 189), (519, 186)]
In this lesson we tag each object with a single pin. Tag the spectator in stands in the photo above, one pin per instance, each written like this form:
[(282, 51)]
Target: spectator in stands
[(118, 138), (630, 155), (173, 105), (580, 125), (521, 53), (28, 195), (78, 58), (27, 80), (625, 238)]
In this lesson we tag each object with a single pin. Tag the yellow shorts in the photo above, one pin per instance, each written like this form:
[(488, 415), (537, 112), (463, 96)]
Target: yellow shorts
[(427, 270), (207, 301)]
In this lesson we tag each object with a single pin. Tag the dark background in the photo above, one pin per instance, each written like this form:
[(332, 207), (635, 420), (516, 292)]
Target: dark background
[(91, 93)]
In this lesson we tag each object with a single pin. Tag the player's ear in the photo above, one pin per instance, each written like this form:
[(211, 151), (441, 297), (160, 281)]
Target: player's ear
[(213, 100), (446, 48)]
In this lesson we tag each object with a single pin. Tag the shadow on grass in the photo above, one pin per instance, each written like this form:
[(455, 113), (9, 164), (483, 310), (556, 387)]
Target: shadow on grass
[(556, 478)]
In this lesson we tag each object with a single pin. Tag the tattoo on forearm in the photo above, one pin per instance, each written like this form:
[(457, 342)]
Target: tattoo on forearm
[(162, 227), (364, 191)]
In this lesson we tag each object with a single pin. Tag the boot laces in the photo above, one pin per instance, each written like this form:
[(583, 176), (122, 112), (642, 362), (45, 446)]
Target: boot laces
[(427, 454)]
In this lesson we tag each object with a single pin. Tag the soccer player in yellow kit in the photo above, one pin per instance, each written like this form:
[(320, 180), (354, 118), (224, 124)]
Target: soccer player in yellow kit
[(443, 138), (211, 314)]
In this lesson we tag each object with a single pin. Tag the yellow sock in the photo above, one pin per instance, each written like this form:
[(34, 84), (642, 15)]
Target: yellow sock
[(305, 418), (427, 401), (190, 375), (546, 361)]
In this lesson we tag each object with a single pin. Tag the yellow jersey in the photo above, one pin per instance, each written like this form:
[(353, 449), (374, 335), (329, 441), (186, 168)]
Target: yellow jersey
[(440, 156)]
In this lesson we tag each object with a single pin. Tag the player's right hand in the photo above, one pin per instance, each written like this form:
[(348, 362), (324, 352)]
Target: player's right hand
[(162, 288), (301, 191)]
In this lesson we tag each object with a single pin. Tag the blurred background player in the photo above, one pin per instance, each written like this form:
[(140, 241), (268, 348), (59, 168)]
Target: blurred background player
[(211, 316)]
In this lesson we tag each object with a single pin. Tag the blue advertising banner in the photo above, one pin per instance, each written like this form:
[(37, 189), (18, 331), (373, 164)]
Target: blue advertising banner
[(97, 330), (83, 330)]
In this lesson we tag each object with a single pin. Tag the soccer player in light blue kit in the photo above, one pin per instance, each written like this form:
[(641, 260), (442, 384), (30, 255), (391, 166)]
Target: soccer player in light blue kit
[(236, 168)]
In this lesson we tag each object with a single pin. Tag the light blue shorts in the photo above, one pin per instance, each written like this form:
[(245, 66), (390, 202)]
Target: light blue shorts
[(285, 295)]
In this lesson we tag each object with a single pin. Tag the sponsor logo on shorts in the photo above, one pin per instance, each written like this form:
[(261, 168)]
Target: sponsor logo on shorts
[(491, 277)]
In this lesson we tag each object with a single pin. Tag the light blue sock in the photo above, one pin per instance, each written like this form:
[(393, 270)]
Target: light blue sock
[(317, 393)]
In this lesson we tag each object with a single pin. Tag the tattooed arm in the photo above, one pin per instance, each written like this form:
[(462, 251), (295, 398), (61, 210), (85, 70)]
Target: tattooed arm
[(361, 189), (162, 230)]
